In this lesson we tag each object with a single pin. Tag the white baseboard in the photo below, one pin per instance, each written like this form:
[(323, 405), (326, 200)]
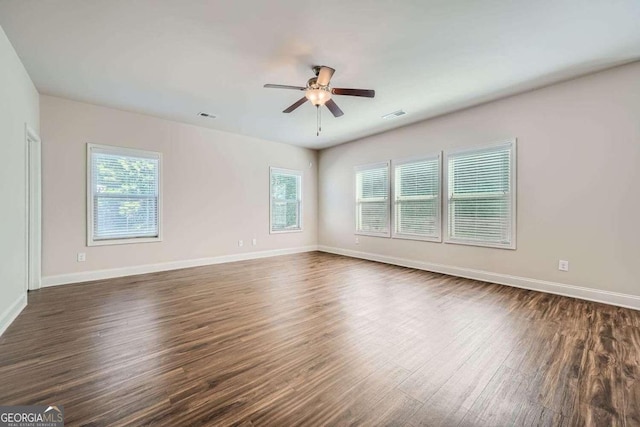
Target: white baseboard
[(10, 314), (87, 276), (606, 297)]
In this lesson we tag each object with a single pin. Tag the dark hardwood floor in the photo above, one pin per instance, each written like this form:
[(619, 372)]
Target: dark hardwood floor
[(319, 339)]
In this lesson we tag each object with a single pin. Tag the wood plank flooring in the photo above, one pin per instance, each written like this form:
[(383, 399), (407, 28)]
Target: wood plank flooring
[(319, 339)]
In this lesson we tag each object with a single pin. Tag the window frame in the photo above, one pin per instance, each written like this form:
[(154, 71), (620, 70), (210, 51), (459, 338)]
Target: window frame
[(513, 196), (370, 166), (122, 151), (285, 171), (404, 236)]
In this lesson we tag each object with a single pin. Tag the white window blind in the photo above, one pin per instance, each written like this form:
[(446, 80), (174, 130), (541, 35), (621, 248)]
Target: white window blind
[(124, 195), (416, 195), (286, 200), (481, 194), (372, 199)]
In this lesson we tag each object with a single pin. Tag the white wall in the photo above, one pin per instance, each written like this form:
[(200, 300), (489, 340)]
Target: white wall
[(216, 189), (578, 182), (18, 106)]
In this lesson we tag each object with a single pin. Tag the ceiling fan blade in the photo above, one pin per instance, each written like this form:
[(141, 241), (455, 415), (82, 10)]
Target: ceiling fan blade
[(268, 85), (298, 103), (324, 76), (367, 93), (333, 107)]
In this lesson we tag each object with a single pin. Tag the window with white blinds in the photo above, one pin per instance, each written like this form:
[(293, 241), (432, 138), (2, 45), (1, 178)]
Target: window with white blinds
[(416, 199), (372, 199), (286, 200), (123, 195), (481, 196)]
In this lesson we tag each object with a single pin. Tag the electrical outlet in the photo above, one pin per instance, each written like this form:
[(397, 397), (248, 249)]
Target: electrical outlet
[(357, 240), (254, 241), (240, 243), (563, 265), (82, 257)]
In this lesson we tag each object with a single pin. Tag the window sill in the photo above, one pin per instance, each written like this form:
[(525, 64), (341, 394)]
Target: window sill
[(373, 234), (416, 237), (108, 242), (297, 230), (509, 246)]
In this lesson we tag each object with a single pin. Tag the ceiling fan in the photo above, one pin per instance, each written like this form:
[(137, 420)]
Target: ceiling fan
[(318, 91)]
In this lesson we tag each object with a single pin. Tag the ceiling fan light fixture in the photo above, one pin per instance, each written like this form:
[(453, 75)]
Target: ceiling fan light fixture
[(318, 96)]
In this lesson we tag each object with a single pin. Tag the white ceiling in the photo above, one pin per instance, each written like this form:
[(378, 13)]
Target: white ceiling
[(174, 59)]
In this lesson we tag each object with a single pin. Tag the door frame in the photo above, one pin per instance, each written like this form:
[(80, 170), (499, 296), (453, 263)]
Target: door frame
[(33, 150)]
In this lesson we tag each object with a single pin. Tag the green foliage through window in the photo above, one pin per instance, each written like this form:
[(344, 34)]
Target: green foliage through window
[(125, 195), (286, 200)]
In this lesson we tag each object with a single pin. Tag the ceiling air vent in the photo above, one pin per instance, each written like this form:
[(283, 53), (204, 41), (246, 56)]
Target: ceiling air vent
[(394, 114), (207, 115)]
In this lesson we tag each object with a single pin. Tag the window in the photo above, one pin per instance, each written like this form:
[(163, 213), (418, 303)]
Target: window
[(372, 199), (286, 200), (481, 192), (416, 199), (123, 195)]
